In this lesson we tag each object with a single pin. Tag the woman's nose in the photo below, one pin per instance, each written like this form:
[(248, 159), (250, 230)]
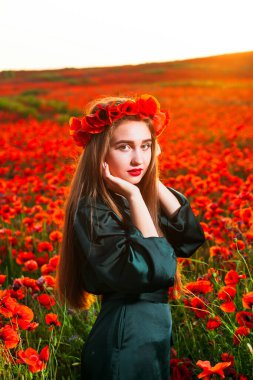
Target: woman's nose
[(137, 157)]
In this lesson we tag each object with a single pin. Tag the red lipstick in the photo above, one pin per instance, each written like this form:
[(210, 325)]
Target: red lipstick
[(135, 172)]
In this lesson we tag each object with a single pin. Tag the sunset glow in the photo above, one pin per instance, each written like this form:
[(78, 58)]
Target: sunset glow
[(43, 35)]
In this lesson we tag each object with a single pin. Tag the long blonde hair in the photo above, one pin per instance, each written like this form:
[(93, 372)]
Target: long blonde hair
[(88, 181)]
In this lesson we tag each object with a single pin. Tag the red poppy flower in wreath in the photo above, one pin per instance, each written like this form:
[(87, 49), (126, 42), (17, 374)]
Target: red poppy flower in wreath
[(80, 136), (145, 106), (127, 108), (96, 123)]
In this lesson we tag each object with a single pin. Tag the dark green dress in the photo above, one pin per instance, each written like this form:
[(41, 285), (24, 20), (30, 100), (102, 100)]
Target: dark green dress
[(132, 335)]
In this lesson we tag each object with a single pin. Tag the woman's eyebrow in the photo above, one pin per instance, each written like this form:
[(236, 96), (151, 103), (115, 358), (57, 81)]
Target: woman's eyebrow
[(129, 141)]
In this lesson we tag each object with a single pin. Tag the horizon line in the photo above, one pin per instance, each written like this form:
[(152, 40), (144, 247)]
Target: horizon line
[(129, 64)]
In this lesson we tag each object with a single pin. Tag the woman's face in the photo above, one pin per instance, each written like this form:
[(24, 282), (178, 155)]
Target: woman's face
[(130, 149)]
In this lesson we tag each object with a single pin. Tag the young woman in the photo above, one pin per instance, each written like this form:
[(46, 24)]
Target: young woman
[(123, 232)]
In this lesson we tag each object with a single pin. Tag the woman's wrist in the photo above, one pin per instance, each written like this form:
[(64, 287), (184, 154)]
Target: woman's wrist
[(140, 215), (133, 194), (168, 200)]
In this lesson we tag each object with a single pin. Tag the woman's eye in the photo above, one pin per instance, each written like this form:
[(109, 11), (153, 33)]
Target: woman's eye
[(124, 146), (147, 146)]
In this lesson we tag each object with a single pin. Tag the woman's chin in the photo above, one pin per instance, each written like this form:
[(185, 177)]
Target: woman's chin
[(134, 180)]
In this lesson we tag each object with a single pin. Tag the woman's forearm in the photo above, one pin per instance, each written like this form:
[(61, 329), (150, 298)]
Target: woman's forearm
[(169, 202), (140, 215)]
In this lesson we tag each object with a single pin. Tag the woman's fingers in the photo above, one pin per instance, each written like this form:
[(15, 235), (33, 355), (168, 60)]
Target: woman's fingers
[(117, 184), (110, 179)]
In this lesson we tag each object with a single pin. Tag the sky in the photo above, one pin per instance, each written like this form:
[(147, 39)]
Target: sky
[(54, 34)]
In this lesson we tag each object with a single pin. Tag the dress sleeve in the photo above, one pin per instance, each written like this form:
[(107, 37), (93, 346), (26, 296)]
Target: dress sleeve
[(119, 258), (183, 229)]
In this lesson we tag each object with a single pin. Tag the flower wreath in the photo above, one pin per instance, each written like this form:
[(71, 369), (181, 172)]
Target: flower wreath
[(145, 106)]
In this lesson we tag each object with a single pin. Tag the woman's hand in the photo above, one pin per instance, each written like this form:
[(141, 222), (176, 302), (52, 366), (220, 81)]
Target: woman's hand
[(117, 184)]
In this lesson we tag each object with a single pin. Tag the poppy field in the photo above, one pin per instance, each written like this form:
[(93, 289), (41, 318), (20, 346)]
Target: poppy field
[(206, 155)]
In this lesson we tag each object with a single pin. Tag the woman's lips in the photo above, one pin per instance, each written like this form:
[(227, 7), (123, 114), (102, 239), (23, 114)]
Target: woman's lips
[(135, 173)]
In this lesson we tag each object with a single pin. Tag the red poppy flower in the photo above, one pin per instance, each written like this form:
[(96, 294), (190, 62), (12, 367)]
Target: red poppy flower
[(213, 323), (201, 286), (199, 307), (46, 269), (25, 256), (220, 252), (208, 370), (46, 300), (48, 280), (160, 121), (52, 320), (54, 261), (18, 294), (30, 265), (9, 336), (240, 331), (128, 108), (56, 236), (2, 278), (27, 282), (226, 357), (42, 259), (181, 368), (95, 123), (7, 305), (22, 313), (115, 112), (247, 300), (81, 137), (227, 293), (232, 278), (238, 245), (36, 362), (147, 108), (45, 246), (245, 318), (29, 326), (228, 307)]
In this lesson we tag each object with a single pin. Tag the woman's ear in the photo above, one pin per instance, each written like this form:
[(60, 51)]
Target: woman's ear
[(158, 149)]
